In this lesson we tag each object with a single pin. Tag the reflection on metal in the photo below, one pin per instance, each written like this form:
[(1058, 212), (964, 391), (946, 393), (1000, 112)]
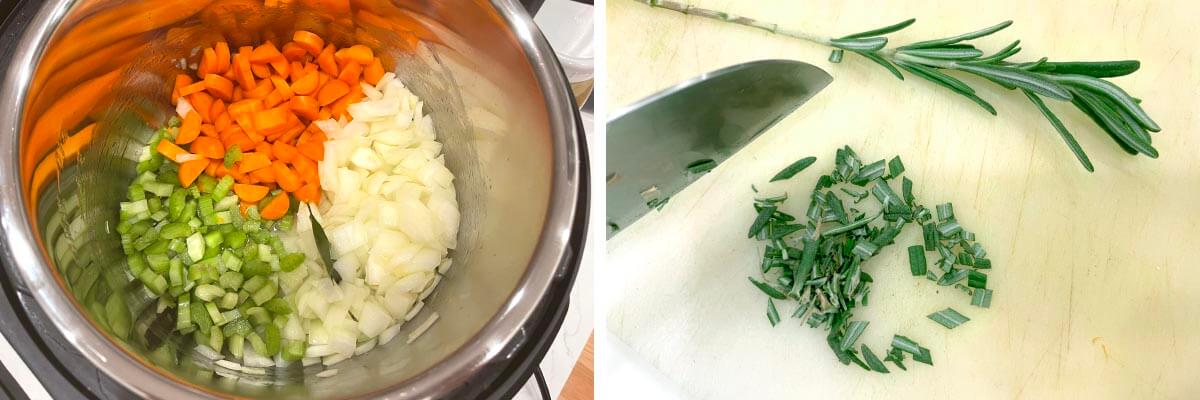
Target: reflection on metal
[(490, 81)]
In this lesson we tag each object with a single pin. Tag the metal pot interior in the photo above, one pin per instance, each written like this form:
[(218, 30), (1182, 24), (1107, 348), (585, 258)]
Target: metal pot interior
[(461, 57)]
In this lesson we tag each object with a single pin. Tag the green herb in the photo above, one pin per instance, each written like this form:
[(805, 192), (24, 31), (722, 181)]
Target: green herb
[(853, 330), (772, 313), (701, 166), (949, 318), (794, 168), (323, 246), (770, 291), (873, 361), (982, 298), (1080, 82), (657, 204), (916, 260)]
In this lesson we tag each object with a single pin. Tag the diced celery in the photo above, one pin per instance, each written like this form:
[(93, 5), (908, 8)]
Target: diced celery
[(235, 239), (216, 339), (256, 268), (207, 293), (222, 217), (153, 204), (231, 315), (213, 239), (159, 189), (206, 211), (229, 300), (177, 274), (231, 281), (195, 246), (266, 293), (271, 338), (259, 316), (286, 223), (231, 261), (222, 188), (200, 317), (136, 193), (254, 283), (278, 306), (148, 238), (251, 225), (175, 230), (206, 184), (214, 314), (195, 223), (288, 263), (183, 312), (236, 345), (159, 247), (159, 215), (136, 263), (257, 343), (293, 350)]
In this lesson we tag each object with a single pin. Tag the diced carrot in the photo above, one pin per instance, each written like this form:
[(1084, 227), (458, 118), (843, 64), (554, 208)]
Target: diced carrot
[(170, 150), (239, 139), (246, 106), (331, 92), (351, 74), (324, 114), (192, 88), (338, 108), (265, 53), (245, 75), (190, 129), (283, 151), (208, 62), (243, 206), (306, 168), (306, 85), (264, 149), (277, 208), (293, 52), (304, 106), (271, 120), (218, 108), (281, 66), (327, 62), (262, 90), (309, 41), (313, 150), (297, 71), (293, 132), (202, 102), (211, 169), (309, 193), (373, 72), (253, 161), (250, 193), (273, 99), (222, 122), (219, 86), (282, 86), (189, 171), (286, 177), (264, 175), (223, 60), (207, 130), (181, 81), (208, 147), (260, 70), (221, 170)]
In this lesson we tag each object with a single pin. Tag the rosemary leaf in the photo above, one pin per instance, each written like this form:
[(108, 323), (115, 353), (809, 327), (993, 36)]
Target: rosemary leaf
[(882, 31), (860, 44), (949, 318), (905, 344), (768, 289), (1062, 130), (772, 313), (976, 279), (895, 168), (955, 39), (1018, 78), (1113, 92), (873, 361), (760, 222), (884, 63), (982, 298), (916, 260), (1006, 52), (1095, 69), (953, 276), (836, 55), (948, 82), (794, 168), (854, 329), (701, 166), (939, 53), (323, 246)]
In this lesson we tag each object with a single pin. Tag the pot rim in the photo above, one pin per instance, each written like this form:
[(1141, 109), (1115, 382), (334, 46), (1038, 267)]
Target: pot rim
[(551, 263)]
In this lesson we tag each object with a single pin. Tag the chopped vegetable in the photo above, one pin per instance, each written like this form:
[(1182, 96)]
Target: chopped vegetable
[(949, 318), (794, 168)]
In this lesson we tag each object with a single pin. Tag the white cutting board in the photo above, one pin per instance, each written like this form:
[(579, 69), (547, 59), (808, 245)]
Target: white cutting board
[(1096, 275)]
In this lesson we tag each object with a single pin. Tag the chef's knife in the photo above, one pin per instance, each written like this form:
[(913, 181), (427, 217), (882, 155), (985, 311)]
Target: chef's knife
[(651, 143)]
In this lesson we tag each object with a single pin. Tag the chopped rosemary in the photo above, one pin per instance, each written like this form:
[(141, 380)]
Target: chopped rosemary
[(794, 168), (701, 166), (819, 260), (949, 318), (982, 298), (657, 203)]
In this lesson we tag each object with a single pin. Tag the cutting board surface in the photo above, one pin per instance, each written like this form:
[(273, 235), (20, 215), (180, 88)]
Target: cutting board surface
[(1096, 275)]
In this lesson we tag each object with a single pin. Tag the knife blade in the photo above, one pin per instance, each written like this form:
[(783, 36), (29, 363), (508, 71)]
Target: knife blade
[(712, 116)]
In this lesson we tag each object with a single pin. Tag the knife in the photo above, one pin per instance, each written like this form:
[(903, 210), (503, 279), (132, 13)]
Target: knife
[(651, 143)]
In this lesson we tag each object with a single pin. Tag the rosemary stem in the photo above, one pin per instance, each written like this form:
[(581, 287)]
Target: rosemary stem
[(688, 9)]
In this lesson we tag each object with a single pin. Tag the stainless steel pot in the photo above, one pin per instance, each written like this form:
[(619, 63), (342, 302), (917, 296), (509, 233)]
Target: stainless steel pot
[(499, 100)]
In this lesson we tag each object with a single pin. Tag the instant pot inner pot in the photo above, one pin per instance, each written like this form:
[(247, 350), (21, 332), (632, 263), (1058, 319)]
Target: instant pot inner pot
[(460, 57)]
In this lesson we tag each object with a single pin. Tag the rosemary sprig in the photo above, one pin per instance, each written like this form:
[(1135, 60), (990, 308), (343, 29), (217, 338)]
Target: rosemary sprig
[(1079, 82)]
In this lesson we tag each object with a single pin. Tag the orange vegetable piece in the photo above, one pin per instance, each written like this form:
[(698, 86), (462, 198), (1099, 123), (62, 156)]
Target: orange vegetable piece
[(222, 121), (192, 88), (309, 193), (245, 76), (218, 108), (293, 132), (282, 86), (264, 175), (309, 41), (283, 151), (189, 171), (276, 208), (181, 81), (219, 86), (286, 177), (373, 72), (273, 99), (281, 66), (297, 71), (246, 106), (293, 52), (202, 102), (208, 130), (271, 120), (250, 193), (239, 139), (253, 162), (357, 53), (223, 60), (262, 90), (208, 62), (351, 74), (331, 92), (306, 85), (260, 70), (170, 150), (264, 149), (208, 147), (327, 62), (314, 150), (265, 53), (305, 106), (211, 169), (190, 129)]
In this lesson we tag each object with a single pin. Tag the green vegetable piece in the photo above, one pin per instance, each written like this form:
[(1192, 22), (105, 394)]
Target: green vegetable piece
[(278, 306), (916, 260), (222, 187), (982, 298), (949, 318), (701, 166), (233, 155), (854, 329), (288, 263), (272, 339), (772, 313), (200, 317), (264, 294), (794, 168), (768, 289), (976, 279), (237, 327), (293, 350), (873, 361)]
